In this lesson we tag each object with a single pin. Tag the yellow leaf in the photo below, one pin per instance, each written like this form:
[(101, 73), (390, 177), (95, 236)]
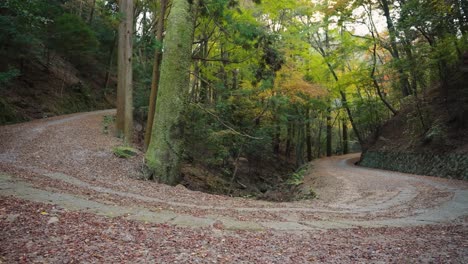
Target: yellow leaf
[(44, 213)]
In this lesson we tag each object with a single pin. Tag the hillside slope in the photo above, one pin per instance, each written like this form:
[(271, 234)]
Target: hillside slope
[(429, 135), (59, 88), (54, 58)]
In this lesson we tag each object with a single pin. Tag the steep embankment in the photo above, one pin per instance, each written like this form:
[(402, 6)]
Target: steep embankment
[(429, 135), (48, 88)]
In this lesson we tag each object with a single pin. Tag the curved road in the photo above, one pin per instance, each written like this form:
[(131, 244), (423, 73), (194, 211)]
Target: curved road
[(68, 161)]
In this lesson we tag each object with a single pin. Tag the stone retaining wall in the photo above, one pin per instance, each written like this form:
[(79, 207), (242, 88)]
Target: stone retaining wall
[(454, 166)]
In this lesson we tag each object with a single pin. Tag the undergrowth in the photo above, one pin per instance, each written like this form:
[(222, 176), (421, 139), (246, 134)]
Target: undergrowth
[(107, 121), (124, 152), (297, 178)]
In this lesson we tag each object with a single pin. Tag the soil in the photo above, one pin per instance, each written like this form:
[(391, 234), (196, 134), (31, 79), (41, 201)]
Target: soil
[(67, 198)]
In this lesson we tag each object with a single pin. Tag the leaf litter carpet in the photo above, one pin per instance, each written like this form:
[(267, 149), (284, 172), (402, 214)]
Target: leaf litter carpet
[(66, 198)]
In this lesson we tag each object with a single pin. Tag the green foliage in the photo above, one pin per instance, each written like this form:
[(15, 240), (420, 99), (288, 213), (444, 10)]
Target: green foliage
[(30, 29), (260, 148), (224, 148), (73, 37), (107, 121), (22, 25), (8, 114), (297, 178), (124, 152), (6, 77), (437, 133)]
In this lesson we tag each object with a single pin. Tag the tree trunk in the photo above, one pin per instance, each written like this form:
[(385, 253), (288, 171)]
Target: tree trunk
[(300, 145), (205, 92), (463, 8), (319, 139), (235, 81), (308, 137), (124, 86), (350, 116), (289, 135), (345, 138), (277, 132), (166, 147), (91, 13), (329, 133), (80, 9), (405, 90), (345, 104), (156, 74), (276, 140), (110, 61), (374, 80)]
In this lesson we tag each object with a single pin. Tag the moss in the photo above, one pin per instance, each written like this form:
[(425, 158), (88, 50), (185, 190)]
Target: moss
[(166, 149), (124, 152)]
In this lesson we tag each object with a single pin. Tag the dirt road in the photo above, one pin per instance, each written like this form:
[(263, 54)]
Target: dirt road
[(59, 174)]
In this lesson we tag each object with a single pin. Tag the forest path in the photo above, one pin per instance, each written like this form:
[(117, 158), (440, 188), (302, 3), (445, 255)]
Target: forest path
[(66, 198), (68, 161)]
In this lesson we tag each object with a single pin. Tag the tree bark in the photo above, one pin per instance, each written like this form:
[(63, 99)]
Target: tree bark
[(289, 135), (166, 148), (124, 120), (350, 116), (319, 139), (329, 133), (91, 13), (156, 74), (300, 145), (308, 137), (277, 131), (345, 138)]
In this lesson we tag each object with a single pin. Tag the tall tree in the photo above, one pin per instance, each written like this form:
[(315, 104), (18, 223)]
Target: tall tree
[(91, 13), (166, 147), (405, 89), (345, 137), (329, 133), (124, 120), (156, 73)]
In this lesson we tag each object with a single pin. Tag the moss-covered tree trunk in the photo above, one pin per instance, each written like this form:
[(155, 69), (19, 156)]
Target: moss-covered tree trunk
[(166, 148)]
